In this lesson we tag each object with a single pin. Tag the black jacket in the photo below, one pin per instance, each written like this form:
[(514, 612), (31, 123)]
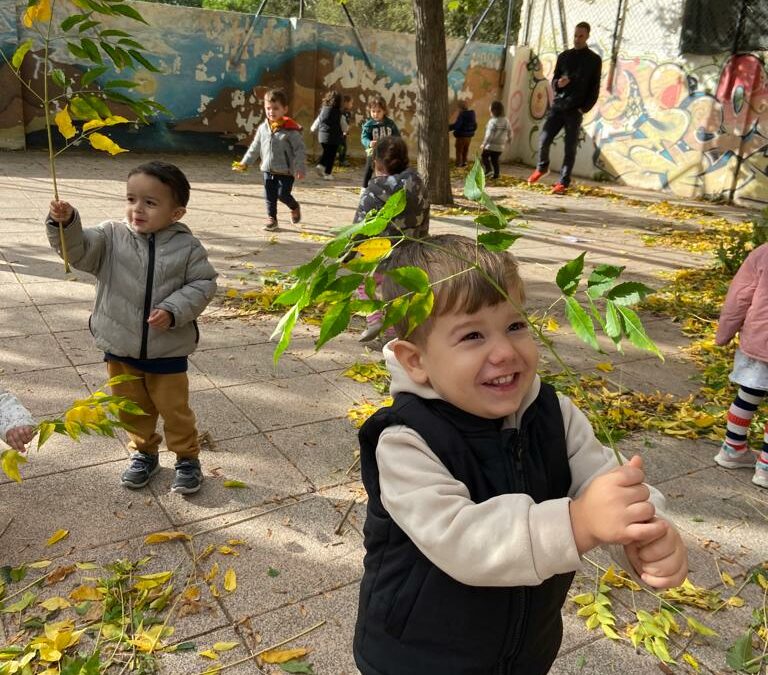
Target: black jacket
[(329, 129), (583, 68), (413, 619), (465, 125)]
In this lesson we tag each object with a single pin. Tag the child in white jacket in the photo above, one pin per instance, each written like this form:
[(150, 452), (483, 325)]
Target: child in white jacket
[(17, 427), (498, 133)]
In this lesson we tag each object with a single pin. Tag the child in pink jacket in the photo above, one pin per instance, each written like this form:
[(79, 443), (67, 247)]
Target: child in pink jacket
[(746, 312)]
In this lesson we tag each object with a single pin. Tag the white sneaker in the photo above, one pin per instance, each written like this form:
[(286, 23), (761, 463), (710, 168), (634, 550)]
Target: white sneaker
[(728, 458), (761, 475), (320, 169), (328, 176)]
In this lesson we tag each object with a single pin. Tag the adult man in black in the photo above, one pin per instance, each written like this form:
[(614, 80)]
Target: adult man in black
[(576, 84)]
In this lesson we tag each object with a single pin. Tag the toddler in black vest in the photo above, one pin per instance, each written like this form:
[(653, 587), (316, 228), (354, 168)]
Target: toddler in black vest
[(485, 486)]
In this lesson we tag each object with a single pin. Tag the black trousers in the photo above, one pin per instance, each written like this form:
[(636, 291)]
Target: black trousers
[(490, 160), (557, 120), (278, 186), (368, 170), (329, 156)]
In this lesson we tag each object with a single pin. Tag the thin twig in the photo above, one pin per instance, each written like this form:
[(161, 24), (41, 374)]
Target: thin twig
[(340, 526), (7, 525)]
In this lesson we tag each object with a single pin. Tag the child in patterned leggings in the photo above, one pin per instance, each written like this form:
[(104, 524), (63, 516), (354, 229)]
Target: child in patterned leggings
[(745, 312)]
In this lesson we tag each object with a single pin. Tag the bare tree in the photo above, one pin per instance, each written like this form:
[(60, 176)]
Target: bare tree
[(432, 109)]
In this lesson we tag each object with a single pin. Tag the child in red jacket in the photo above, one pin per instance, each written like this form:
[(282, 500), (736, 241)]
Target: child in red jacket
[(745, 312)]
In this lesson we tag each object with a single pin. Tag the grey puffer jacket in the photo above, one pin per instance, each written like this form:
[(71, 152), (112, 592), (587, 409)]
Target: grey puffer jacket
[(282, 151), (414, 220), (136, 273)]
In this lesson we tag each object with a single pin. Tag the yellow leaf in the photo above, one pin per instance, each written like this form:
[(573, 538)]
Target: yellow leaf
[(583, 598), (373, 249), (108, 122), (605, 366), (231, 293), (52, 604), (236, 542), (736, 601), (64, 123), (86, 565), (209, 654), (693, 663), (48, 653), (162, 537), (230, 580), (282, 655), (10, 460), (40, 11), (101, 142), (226, 550), (40, 564), (762, 581), (58, 535), (85, 414), (213, 572), (552, 326), (147, 581), (192, 593), (727, 579), (225, 646), (82, 593), (214, 589)]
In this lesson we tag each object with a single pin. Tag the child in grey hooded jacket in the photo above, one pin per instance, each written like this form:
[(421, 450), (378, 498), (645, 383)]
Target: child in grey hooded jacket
[(498, 133)]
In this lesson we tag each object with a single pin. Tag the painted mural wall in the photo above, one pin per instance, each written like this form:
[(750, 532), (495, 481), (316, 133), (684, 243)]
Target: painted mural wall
[(692, 125), (216, 65)]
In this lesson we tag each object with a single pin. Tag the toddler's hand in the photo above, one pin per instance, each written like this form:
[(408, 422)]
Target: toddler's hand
[(373, 144), (239, 167), (61, 211), (614, 509), (300, 175), (160, 319), (18, 437), (661, 562)]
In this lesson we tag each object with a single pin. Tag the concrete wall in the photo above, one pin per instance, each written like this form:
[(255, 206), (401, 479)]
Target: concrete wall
[(691, 125), (216, 65)]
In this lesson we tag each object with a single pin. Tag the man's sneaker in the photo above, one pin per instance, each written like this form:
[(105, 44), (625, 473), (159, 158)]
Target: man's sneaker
[(296, 215), (320, 169), (141, 467), (188, 477), (730, 459), (328, 176), (761, 475), (271, 224), (559, 189), (536, 176)]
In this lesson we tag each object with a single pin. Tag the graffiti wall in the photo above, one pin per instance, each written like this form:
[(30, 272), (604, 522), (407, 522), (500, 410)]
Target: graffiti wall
[(215, 66), (691, 125)]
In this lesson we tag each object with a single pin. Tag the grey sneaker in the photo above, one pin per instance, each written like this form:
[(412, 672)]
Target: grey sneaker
[(271, 224), (188, 477), (140, 469), (730, 459)]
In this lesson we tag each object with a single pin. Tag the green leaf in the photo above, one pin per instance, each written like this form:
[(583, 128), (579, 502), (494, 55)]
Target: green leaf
[(77, 51), (474, 184), (113, 32), (292, 295), (98, 105), (295, 666), (395, 311), (569, 275), (138, 56), (628, 293), (661, 651), (491, 221), (636, 333), (58, 77), (92, 74), (122, 84), (86, 25), (346, 284), (284, 329), (119, 379), (20, 53), (73, 20), (335, 321), (130, 42), (90, 48), (21, 604), (371, 287), (601, 279), (44, 432), (128, 11), (81, 109), (613, 324), (393, 207), (741, 653), (230, 483), (411, 278), (700, 628), (497, 241), (272, 572), (508, 212), (581, 322), (419, 309)]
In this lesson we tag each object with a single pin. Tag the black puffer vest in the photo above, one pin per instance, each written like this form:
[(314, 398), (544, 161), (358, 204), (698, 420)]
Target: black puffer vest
[(413, 619)]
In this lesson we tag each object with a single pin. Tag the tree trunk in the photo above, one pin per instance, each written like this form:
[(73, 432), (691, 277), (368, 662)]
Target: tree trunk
[(432, 108)]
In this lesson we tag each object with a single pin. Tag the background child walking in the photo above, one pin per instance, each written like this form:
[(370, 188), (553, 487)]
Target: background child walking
[(498, 132), (346, 113), (390, 161), (485, 486), (376, 127), (153, 280), (464, 128), (745, 312), (331, 128), (280, 145)]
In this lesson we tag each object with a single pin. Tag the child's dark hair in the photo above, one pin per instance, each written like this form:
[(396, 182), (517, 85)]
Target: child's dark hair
[(458, 287), (276, 96), (168, 174), (497, 109), (332, 98), (377, 101), (346, 98), (391, 154)]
